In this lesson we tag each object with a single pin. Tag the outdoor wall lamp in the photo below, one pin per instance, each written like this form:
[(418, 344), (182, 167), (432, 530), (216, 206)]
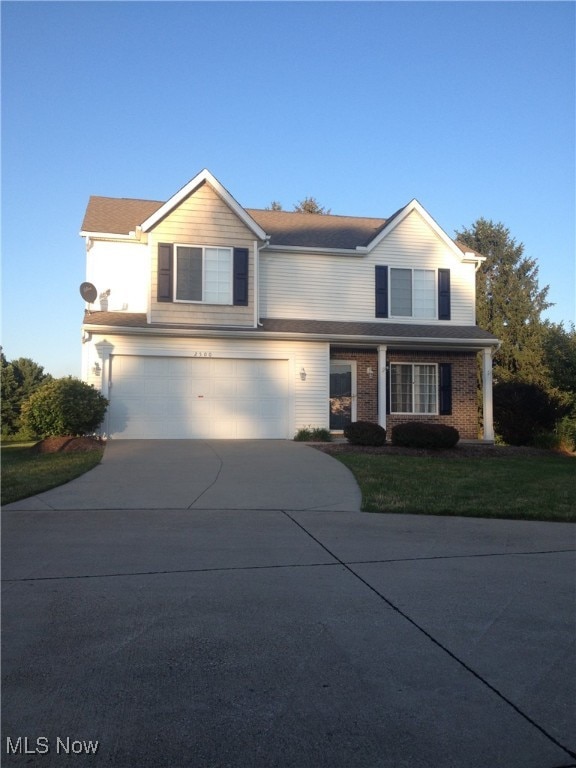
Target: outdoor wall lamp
[(369, 371), (303, 373), (96, 370)]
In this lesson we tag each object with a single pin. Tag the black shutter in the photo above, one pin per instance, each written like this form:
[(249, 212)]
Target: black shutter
[(443, 294), (165, 262), (445, 388), (381, 281), (388, 381), (241, 277)]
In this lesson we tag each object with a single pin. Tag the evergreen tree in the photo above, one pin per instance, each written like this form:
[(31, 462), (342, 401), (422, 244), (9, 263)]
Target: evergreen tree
[(509, 303), (9, 395), (274, 206), (560, 351), (310, 205), (20, 378)]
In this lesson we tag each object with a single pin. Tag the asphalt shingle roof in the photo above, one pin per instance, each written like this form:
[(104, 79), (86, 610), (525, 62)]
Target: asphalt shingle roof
[(121, 215), (381, 330)]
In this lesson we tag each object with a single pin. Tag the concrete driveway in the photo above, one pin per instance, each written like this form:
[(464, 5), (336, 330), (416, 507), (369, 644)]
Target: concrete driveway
[(278, 636), (207, 474)]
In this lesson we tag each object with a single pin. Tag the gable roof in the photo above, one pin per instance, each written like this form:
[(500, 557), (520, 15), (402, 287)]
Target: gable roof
[(201, 178), (121, 216)]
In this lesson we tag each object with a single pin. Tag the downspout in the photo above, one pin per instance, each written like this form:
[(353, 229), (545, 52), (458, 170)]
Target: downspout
[(257, 323)]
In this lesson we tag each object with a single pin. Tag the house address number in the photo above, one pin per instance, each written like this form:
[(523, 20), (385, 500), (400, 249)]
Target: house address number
[(201, 354)]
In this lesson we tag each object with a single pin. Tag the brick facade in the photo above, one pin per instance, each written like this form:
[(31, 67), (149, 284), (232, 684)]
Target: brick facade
[(464, 387)]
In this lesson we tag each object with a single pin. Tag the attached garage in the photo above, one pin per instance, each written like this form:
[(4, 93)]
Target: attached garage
[(156, 397)]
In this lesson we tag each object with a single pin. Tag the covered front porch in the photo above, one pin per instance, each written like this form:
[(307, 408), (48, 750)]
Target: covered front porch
[(388, 385)]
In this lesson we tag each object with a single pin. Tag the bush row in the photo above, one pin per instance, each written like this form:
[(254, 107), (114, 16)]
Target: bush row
[(412, 434)]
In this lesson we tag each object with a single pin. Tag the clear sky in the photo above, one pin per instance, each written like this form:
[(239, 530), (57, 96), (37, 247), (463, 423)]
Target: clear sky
[(468, 107)]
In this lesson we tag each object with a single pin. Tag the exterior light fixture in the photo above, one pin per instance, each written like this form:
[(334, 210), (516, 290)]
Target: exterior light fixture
[(303, 373), (369, 371), (96, 370)]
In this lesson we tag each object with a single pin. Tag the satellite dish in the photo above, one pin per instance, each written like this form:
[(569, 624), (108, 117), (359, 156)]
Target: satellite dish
[(88, 292)]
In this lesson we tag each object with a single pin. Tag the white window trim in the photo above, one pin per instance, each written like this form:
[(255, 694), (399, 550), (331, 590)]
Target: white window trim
[(436, 411), (412, 270), (203, 249)]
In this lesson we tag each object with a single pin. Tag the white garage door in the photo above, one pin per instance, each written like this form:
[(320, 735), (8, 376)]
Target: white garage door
[(177, 397)]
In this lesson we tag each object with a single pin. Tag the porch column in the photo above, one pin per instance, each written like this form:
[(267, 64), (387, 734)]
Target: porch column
[(382, 384), (488, 417)]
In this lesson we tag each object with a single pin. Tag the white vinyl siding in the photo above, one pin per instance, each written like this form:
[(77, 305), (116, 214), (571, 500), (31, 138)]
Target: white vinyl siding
[(340, 287), (122, 268), (413, 388)]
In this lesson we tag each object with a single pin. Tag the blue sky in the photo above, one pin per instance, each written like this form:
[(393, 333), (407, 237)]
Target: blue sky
[(469, 107)]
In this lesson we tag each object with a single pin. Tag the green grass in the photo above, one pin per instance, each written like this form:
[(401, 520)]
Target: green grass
[(25, 473), (528, 488)]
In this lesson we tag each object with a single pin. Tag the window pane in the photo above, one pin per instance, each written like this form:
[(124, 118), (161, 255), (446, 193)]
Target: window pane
[(189, 274), (424, 293), (401, 388), (218, 279), (425, 389), (401, 292)]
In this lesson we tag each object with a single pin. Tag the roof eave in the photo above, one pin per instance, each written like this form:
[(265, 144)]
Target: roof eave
[(253, 333), (360, 250)]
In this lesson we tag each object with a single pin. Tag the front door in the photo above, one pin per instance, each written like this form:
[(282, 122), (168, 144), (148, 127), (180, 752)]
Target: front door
[(342, 393)]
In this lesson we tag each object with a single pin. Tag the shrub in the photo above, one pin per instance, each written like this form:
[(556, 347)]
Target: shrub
[(523, 411), (422, 434), (313, 435), (365, 433), (64, 407)]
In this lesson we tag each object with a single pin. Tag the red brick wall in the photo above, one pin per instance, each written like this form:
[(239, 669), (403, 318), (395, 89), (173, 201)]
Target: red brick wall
[(366, 387), (464, 395)]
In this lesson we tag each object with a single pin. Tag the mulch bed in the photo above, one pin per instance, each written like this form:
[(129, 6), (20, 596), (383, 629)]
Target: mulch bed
[(464, 451), (68, 444)]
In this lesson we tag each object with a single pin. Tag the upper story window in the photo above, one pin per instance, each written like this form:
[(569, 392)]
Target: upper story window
[(422, 294), (203, 274), (413, 293)]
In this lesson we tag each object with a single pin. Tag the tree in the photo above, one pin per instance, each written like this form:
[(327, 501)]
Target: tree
[(310, 205), (20, 379), (560, 355), (274, 206), (509, 302), (9, 396), (523, 411), (64, 407)]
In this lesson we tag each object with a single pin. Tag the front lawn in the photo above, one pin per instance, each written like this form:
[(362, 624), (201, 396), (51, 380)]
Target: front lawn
[(26, 473), (539, 487)]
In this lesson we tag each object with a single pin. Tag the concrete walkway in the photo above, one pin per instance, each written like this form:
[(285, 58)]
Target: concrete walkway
[(282, 638)]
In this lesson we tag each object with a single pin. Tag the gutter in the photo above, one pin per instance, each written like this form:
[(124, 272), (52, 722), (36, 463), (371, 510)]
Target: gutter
[(251, 333), (360, 250)]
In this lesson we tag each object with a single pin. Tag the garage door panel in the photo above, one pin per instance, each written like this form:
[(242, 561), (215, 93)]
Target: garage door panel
[(196, 398)]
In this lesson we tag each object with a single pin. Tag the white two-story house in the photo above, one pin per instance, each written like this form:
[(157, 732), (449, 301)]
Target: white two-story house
[(216, 321)]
